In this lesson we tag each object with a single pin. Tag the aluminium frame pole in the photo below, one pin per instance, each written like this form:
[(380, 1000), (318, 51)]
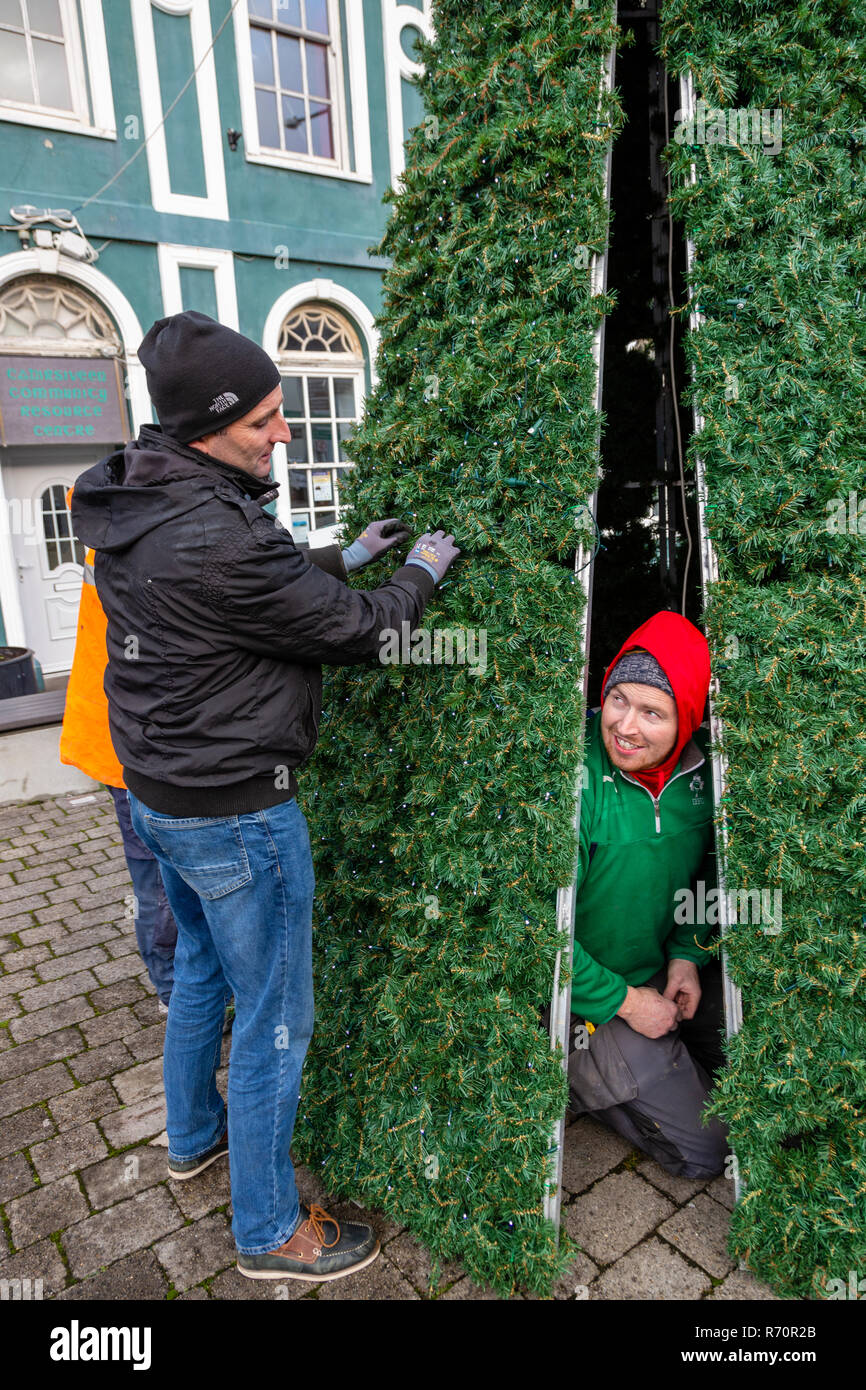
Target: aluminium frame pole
[(560, 1007), (733, 1000)]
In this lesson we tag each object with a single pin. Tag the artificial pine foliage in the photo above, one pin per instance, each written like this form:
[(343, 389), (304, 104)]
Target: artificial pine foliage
[(777, 372), (440, 798)]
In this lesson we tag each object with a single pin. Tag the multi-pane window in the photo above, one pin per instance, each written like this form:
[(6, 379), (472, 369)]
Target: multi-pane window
[(294, 76), (60, 544), (321, 404), (38, 54)]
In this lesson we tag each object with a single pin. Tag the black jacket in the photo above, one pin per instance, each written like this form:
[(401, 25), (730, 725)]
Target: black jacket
[(218, 625)]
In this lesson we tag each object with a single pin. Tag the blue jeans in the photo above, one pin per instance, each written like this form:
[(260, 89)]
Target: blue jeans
[(241, 889), (155, 928)]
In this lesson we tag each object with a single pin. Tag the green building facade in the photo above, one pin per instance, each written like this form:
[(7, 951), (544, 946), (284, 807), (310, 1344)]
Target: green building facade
[(161, 155)]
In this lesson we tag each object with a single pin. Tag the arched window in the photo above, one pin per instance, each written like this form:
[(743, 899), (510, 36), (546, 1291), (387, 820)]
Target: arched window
[(47, 316), (322, 365)]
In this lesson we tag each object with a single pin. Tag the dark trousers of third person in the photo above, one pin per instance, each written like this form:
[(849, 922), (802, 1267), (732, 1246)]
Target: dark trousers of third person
[(653, 1091)]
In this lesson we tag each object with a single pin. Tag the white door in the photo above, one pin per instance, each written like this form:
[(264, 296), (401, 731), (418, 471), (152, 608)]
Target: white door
[(49, 561)]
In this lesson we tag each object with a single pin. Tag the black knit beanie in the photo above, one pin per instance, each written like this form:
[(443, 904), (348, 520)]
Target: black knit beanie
[(640, 668), (202, 375)]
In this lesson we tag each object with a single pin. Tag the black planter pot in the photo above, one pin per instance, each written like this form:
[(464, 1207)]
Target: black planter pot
[(17, 673)]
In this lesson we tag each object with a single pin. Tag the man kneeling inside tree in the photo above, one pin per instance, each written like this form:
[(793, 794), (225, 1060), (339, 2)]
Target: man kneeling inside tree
[(644, 1036)]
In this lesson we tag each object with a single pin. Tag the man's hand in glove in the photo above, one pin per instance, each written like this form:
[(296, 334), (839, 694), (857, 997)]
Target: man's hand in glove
[(378, 537), (434, 553)]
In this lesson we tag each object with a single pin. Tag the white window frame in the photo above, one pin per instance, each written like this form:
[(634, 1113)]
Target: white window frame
[(214, 203), (171, 258), (395, 18), (256, 153), (306, 365), (100, 121)]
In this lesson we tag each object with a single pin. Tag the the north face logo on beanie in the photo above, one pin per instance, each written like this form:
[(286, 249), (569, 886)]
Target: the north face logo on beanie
[(188, 356)]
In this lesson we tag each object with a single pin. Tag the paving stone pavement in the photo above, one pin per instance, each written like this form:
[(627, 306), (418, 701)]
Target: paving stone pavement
[(85, 1203)]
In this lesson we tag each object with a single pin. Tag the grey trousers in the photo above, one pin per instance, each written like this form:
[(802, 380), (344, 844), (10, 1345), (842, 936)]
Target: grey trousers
[(652, 1090)]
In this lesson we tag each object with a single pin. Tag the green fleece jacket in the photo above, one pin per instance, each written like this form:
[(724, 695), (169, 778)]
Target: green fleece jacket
[(636, 856)]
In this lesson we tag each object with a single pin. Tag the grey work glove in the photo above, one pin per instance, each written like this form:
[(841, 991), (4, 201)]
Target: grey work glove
[(434, 553), (374, 541)]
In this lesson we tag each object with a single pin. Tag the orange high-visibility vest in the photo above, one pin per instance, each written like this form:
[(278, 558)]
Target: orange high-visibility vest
[(85, 741)]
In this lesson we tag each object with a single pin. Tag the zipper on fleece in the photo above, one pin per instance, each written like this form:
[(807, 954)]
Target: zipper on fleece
[(655, 799)]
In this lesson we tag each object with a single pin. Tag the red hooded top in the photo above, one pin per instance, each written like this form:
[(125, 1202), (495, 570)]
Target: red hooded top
[(684, 656)]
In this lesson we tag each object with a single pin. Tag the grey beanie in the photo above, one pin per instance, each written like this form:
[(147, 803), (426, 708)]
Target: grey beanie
[(641, 668)]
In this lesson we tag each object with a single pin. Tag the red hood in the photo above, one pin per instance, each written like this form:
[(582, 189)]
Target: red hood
[(682, 652)]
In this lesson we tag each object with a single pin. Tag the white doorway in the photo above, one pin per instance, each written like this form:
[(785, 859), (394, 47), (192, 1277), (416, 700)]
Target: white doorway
[(48, 559)]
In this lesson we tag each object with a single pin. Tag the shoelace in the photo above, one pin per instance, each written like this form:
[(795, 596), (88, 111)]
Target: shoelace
[(318, 1217)]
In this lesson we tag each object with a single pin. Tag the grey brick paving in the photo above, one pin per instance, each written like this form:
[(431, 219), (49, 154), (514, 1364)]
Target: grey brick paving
[(19, 1131), (86, 1103), (135, 1122), (576, 1283), (68, 1152), (57, 990), (34, 1086), (124, 1175), (49, 1208), (235, 1286), (138, 1082), (136, 1277), (18, 958), (742, 1284), (39, 1261), (65, 1042), (722, 1190), (615, 1215), (197, 1252), (112, 996), (90, 936), (60, 966), (199, 1196), (127, 1226), (118, 1023), (465, 1290), (16, 982), (15, 1177), (651, 1270), (121, 969), (379, 1281), (700, 1231), (101, 1061), (416, 1263), (589, 1153), (82, 1142), (49, 1020), (147, 1043)]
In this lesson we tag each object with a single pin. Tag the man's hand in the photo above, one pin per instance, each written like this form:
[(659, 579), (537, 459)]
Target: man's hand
[(378, 537), (683, 986), (434, 553), (648, 1012)]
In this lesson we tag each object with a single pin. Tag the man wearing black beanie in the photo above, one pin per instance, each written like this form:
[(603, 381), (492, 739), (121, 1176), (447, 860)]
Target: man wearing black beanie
[(218, 626)]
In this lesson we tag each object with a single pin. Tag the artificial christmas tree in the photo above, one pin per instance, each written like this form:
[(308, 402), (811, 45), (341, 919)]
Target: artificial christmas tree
[(769, 182), (441, 796)]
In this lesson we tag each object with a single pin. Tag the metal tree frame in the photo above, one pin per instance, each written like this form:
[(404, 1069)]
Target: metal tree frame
[(560, 1007), (566, 896), (709, 575)]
